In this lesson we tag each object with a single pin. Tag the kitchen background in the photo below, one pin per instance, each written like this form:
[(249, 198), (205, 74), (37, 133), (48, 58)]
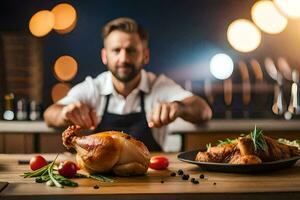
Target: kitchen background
[(184, 38)]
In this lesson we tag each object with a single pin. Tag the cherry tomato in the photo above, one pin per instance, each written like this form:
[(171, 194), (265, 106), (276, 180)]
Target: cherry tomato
[(67, 169), (159, 162), (37, 162)]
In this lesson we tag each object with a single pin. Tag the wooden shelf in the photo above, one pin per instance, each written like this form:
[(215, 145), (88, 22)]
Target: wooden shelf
[(237, 125), (26, 127)]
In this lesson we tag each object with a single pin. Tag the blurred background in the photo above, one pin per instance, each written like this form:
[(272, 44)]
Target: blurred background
[(240, 55)]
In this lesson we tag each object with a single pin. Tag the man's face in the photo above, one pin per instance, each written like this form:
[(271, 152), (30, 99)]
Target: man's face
[(124, 54)]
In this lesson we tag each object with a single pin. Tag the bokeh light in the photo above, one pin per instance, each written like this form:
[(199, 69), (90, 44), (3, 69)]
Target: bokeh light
[(59, 91), (266, 16), (65, 68), (221, 66), (243, 35), (65, 18), (290, 8), (41, 23)]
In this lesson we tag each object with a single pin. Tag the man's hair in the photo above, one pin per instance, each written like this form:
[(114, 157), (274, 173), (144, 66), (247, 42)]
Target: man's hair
[(127, 25)]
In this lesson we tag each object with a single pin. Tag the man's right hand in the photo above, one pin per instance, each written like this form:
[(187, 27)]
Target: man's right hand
[(80, 114)]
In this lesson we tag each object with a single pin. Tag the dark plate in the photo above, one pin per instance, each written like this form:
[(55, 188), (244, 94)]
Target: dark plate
[(189, 157)]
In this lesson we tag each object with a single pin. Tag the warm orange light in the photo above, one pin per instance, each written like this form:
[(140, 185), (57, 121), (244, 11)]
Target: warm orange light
[(291, 8), (65, 68), (266, 16), (243, 35), (41, 23), (59, 91), (65, 18)]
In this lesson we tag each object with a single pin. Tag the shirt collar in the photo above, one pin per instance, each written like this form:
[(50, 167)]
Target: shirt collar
[(108, 87)]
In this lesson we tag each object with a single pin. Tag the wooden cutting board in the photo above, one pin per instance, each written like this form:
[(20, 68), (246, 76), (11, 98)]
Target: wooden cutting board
[(284, 184)]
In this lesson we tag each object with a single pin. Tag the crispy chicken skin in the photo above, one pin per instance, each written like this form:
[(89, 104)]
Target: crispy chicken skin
[(243, 152), (216, 154), (108, 151)]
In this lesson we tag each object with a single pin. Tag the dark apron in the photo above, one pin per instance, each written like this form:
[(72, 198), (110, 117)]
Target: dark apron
[(134, 124)]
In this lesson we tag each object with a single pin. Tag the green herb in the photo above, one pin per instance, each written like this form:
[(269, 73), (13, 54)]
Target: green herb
[(258, 140), (226, 141), (98, 177), (50, 172), (101, 178), (208, 146), (46, 174), (37, 172)]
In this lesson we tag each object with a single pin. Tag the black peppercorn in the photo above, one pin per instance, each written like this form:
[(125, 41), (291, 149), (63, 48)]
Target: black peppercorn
[(161, 181), (180, 172), (185, 177), (193, 179), (201, 176), (173, 174), (215, 183), (196, 182), (96, 187)]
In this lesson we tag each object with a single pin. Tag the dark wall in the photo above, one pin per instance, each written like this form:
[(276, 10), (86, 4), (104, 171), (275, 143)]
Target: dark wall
[(184, 34)]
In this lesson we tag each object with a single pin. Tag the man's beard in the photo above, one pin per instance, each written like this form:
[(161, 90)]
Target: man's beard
[(134, 71)]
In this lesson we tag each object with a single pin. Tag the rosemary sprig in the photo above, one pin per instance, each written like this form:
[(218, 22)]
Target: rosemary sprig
[(98, 177), (258, 140)]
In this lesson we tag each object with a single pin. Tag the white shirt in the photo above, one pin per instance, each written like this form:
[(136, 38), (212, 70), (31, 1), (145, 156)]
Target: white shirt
[(157, 89)]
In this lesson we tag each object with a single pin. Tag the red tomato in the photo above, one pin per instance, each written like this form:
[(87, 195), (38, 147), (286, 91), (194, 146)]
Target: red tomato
[(159, 162), (37, 162), (67, 169)]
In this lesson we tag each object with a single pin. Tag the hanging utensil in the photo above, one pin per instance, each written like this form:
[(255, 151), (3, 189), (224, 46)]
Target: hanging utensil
[(294, 100), (284, 68), (271, 68)]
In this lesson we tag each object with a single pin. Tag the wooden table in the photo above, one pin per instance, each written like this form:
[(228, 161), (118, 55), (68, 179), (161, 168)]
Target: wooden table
[(283, 184)]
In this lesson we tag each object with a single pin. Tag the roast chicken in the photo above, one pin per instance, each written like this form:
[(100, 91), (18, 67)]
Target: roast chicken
[(243, 151), (106, 152)]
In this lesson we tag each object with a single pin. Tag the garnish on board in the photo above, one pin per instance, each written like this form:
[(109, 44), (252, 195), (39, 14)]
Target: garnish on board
[(50, 175)]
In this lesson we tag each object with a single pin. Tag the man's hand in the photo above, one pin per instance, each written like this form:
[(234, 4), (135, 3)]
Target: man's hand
[(165, 113), (79, 114)]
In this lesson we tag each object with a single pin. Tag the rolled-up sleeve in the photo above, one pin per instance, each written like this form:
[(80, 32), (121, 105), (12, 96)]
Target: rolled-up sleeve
[(82, 92), (165, 89)]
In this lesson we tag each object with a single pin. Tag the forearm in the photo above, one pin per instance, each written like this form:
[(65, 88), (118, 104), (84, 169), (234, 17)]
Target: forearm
[(194, 109), (53, 116)]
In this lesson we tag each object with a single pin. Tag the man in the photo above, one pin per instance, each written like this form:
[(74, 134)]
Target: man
[(126, 97)]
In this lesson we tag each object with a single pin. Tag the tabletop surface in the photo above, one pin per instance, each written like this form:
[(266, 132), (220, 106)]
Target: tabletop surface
[(280, 184)]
